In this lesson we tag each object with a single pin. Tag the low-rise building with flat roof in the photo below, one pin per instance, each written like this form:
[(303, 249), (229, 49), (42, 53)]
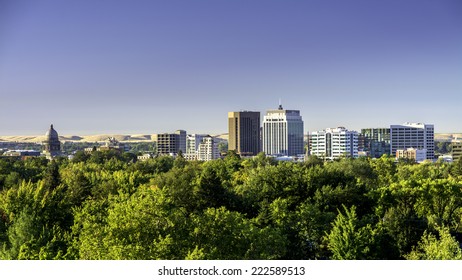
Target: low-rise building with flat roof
[(22, 154), (418, 155)]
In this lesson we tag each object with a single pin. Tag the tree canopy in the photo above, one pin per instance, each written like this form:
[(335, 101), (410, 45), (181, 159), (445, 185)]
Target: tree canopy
[(108, 206)]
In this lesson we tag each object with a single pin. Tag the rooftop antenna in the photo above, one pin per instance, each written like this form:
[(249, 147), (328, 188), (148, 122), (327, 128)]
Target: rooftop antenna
[(280, 104)]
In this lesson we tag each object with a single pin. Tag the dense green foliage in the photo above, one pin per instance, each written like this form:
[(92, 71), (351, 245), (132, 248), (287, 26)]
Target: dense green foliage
[(443, 147), (108, 206)]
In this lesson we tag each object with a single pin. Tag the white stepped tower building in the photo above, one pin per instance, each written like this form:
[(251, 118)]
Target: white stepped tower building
[(283, 132)]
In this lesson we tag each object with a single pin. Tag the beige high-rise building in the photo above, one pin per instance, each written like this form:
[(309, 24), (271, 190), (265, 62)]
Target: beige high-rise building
[(244, 133)]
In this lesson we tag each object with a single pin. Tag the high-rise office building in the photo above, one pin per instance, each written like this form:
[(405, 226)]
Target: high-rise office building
[(333, 143), (171, 143), (181, 140), (375, 141), (283, 132), (244, 133), (413, 135)]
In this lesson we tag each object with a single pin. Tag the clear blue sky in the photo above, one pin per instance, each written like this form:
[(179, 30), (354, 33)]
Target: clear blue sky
[(107, 66)]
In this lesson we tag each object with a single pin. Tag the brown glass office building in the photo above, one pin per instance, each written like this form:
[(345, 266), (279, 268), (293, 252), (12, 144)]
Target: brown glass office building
[(244, 133)]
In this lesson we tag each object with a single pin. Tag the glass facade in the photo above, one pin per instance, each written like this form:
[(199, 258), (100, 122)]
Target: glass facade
[(375, 141)]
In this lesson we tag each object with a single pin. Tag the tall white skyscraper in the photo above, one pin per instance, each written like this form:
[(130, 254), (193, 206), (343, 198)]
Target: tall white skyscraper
[(283, 132), (333, 143), (413, 135)]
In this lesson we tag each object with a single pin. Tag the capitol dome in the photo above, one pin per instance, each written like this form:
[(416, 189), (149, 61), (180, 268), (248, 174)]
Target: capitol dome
[(51, 145), (51, 134)]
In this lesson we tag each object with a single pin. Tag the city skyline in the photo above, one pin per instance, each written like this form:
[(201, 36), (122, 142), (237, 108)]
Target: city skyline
[(145, 67)]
